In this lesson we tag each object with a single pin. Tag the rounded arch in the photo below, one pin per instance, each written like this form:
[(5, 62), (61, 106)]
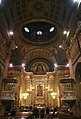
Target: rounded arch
[(39, 53), (0, 71), (39, 66), (78, 72), (39, 56)]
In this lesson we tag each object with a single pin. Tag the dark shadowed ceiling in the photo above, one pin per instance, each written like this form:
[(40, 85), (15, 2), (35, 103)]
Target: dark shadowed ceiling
[(38, 27)]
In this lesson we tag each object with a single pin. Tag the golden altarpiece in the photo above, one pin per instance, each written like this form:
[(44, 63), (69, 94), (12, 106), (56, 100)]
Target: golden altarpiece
[(39, 90)]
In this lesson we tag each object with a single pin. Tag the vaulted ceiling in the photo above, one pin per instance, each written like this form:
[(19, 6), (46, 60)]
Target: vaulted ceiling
[(38, 27)]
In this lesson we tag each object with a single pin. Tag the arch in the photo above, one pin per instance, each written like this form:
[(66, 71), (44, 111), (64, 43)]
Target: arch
[(41, 56), (35, 53), (78, 72)]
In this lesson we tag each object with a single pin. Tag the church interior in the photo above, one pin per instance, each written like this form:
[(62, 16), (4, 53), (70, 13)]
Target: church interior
[(40, 57)]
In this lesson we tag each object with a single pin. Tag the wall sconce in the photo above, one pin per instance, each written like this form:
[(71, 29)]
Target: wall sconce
[(53, 94), (25, 95)]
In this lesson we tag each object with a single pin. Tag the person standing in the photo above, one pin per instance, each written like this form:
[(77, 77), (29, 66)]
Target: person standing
[(47, 112), (42, 113)]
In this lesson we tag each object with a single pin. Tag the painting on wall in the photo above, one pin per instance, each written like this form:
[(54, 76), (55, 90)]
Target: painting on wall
[(39, 90), (39, 68)]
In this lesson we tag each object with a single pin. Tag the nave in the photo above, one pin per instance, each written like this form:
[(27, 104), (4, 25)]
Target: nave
[(40, 57)]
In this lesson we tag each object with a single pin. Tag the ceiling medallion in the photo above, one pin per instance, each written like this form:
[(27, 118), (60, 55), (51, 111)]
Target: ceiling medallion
[(38, 6)]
